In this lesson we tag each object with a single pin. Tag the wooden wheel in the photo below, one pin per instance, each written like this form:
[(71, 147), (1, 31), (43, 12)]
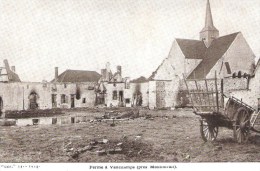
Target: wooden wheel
[(241, 126), (208, 131)]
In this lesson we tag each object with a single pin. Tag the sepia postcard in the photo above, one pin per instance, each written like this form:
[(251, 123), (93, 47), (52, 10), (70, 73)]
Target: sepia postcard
[(129, 85)]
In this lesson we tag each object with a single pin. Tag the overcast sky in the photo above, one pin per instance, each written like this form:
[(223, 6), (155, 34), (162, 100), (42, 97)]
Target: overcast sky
[(37, 35)]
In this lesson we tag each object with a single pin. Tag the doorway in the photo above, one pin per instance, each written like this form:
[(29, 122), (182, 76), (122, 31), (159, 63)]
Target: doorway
[(33, 100), (54, 100), (72, 100), (121, 98)]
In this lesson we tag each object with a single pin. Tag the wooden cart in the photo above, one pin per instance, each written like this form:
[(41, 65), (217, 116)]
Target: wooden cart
[(216, 110)]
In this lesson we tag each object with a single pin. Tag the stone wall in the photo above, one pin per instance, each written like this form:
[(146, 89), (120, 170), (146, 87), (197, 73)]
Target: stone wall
[(152, 94), (163, 94), (16, 96), (253, 95)]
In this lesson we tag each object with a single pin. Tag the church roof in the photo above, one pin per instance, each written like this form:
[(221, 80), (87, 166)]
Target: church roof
[(257, 67), (192, 49), (196, 49), (74, 76), (212, 54)]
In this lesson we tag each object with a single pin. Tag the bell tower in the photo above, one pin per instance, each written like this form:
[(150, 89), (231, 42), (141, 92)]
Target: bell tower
[(209, 32)]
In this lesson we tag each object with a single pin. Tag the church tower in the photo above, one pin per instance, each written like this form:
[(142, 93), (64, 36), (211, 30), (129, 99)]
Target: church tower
[(209, 32)]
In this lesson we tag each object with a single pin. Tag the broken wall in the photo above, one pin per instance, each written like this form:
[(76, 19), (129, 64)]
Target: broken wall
[(163, 94), (16, 96), (143, 88), (113, 87)]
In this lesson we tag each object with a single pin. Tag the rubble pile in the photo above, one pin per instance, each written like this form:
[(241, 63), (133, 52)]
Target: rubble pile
[(103, 147)]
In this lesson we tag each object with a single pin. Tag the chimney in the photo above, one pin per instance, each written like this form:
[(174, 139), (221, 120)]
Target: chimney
[(103, 74), (119, 70), (56, 73), (108, 71), (13, 68), (7, 67)]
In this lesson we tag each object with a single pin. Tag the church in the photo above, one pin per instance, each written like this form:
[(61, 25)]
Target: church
[(197, 59), (228, 56)]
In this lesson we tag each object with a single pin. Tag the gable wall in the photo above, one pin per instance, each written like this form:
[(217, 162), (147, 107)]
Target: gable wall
[(239, 56), (173, 65), (163, 93)]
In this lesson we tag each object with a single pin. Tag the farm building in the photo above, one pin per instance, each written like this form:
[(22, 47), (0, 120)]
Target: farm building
[(72, 88), (115, 90)]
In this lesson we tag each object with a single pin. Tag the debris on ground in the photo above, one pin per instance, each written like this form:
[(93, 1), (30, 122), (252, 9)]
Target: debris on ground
[(218, 148), (116, 115), (110, 147), (7, 122)]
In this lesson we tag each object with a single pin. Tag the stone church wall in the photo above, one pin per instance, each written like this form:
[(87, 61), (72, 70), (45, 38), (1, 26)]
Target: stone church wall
[(239, 56)]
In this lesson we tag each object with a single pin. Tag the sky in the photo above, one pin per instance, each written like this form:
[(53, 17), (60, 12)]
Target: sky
[(38, 35)]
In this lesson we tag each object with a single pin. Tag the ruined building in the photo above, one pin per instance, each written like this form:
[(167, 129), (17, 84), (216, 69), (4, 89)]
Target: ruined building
[(114, 90), (72, 88), (8, 74)]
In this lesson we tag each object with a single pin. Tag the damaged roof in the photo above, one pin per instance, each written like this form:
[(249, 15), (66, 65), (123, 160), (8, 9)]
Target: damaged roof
[(74, 76), (13, 77)]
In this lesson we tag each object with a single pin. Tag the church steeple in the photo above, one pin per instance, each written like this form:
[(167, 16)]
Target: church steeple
[(209, 32)]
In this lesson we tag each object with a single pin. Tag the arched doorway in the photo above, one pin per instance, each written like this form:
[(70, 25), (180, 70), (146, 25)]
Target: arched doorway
[(33, 97)]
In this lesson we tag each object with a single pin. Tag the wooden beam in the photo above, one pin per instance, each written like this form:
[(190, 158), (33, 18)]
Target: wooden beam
[(216, 87)]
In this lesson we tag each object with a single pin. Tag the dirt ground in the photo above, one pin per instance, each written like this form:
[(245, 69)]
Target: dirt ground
[(169, 136)]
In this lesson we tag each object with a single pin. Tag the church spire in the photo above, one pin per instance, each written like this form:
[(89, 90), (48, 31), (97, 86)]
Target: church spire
[(209, 20), (209, 32)]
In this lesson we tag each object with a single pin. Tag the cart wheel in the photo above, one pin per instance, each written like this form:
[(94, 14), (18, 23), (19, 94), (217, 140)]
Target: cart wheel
[(242, 125), (208, 132)]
